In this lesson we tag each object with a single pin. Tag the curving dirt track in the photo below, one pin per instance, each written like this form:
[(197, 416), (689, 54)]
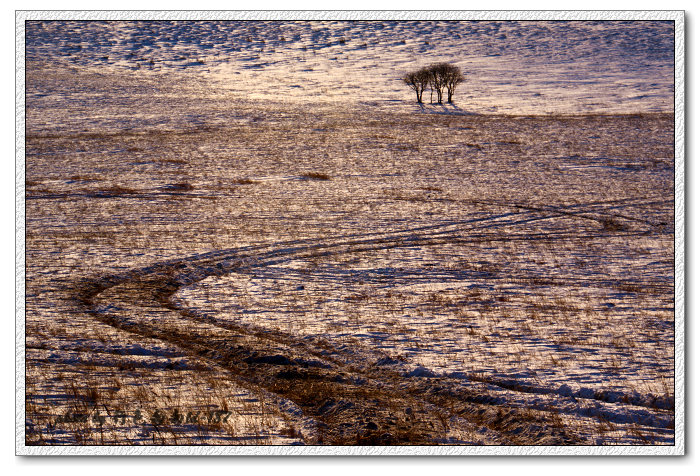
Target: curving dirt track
[(351, 397), (347, 275)]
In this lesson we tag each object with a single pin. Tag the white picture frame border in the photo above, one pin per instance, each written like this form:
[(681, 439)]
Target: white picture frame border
[(20, 364)]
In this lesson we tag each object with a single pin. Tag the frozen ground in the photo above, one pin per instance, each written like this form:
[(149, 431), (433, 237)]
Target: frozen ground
[(256, 220), (511, 67)]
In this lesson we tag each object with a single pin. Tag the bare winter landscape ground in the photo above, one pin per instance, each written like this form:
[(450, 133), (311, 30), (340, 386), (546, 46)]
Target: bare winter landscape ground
[(231, 261)]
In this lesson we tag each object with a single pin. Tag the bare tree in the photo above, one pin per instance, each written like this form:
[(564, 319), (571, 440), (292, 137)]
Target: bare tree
[(436, 80), (439, 76), (452, 77), (418, 81)]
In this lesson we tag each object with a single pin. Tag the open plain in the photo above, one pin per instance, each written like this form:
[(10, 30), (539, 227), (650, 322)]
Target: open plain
[(221, 263)]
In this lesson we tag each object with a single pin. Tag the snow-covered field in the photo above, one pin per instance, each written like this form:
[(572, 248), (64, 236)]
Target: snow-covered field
[(250, 233)]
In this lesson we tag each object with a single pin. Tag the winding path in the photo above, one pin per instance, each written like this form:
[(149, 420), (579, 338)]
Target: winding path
[(349, 393)]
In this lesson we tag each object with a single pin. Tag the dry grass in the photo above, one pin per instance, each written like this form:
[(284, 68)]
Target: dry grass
[(316, 176), (497, 290), (245, 181)]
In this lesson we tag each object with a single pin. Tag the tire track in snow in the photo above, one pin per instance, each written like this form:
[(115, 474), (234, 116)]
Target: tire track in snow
[(348, 387)]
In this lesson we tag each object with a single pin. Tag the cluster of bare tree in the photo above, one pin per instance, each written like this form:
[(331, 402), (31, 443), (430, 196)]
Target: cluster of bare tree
[(440, 77)]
